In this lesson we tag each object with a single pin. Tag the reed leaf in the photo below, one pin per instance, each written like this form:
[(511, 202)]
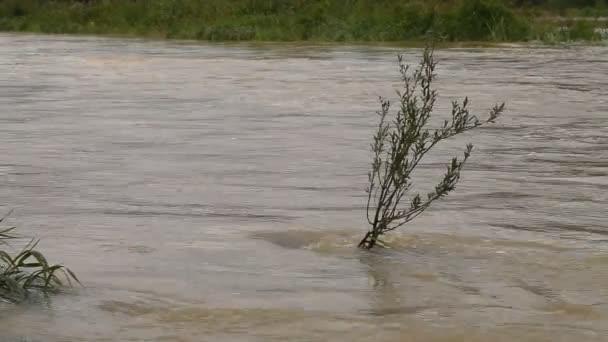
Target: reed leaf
[(28, 270)]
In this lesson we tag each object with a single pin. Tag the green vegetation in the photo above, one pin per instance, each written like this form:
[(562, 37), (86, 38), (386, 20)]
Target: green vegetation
[(311, 20), (399, 145), (28, 270)]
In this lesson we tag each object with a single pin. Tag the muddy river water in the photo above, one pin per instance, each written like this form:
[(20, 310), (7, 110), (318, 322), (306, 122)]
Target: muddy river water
[(216, 193)]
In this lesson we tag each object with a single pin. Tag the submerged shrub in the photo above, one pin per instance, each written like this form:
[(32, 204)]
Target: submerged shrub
[(400, 144)]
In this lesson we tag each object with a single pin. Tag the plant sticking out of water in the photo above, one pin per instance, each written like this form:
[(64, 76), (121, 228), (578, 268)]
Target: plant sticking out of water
[(28, 270), (400, 144)]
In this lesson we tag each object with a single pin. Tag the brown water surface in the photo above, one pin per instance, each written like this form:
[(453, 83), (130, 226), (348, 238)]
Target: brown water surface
[(215, 193)]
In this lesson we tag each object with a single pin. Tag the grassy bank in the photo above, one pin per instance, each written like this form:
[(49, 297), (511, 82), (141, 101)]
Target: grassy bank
[(309, 20)]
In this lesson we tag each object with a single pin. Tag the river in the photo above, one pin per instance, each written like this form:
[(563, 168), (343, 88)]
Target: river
[(215, 192)]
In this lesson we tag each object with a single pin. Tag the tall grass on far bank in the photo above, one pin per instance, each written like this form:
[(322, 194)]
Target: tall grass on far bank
[(566, 30), (27, 270), (278, 20)]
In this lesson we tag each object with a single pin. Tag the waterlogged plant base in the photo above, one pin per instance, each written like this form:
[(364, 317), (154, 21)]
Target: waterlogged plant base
[(399, 145), (28, 271)]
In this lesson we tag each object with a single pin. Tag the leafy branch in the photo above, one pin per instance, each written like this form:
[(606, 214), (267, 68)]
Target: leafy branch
[(399, 145)]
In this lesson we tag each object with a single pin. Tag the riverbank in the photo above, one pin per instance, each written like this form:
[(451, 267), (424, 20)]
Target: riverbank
[(317, 21)]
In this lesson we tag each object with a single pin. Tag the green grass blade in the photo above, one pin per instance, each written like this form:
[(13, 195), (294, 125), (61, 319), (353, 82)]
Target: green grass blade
[(73, 275)]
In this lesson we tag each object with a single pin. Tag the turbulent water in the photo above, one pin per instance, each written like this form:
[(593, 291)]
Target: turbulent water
[(216, 193)]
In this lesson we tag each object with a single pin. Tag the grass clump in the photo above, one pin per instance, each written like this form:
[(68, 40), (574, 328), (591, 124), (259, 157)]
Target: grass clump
[(481, 20), (569, 30), (28, 270)]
